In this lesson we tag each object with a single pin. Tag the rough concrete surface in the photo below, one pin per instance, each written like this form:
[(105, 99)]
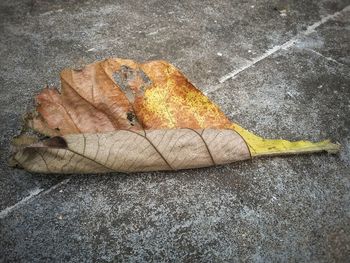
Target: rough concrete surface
[(283, 209)]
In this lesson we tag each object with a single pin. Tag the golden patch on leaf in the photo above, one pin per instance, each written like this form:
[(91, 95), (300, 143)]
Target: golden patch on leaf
[(120, 115)]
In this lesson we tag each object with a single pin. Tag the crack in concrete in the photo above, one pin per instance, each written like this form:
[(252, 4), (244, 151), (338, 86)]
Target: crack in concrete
[(310, 29), (32, 194)]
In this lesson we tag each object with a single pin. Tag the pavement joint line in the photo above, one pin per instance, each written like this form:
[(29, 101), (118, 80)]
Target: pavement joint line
[(32, 194), (325, 57), (310, 29)]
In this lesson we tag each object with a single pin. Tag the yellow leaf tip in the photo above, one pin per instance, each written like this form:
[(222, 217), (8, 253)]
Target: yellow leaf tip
[(259, 146)]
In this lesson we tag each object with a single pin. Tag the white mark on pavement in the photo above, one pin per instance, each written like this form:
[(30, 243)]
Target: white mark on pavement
[(153, 33), (51, 12), (34, 192), (325, 57), (310, 29)]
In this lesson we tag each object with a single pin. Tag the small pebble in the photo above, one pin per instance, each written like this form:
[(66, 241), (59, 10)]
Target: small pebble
[(283, 13)]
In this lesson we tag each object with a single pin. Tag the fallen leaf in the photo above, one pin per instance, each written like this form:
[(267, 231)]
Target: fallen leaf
[(120, 115)]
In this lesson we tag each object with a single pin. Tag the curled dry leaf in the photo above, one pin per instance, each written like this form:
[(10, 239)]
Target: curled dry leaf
[(119, 115)]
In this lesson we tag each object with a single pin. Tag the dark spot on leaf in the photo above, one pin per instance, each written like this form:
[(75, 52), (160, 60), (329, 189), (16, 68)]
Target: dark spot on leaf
[(130, 116), (56, 142)]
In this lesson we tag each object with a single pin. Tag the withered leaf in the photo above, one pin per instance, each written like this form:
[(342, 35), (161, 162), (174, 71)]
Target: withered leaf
[(120, 115)]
